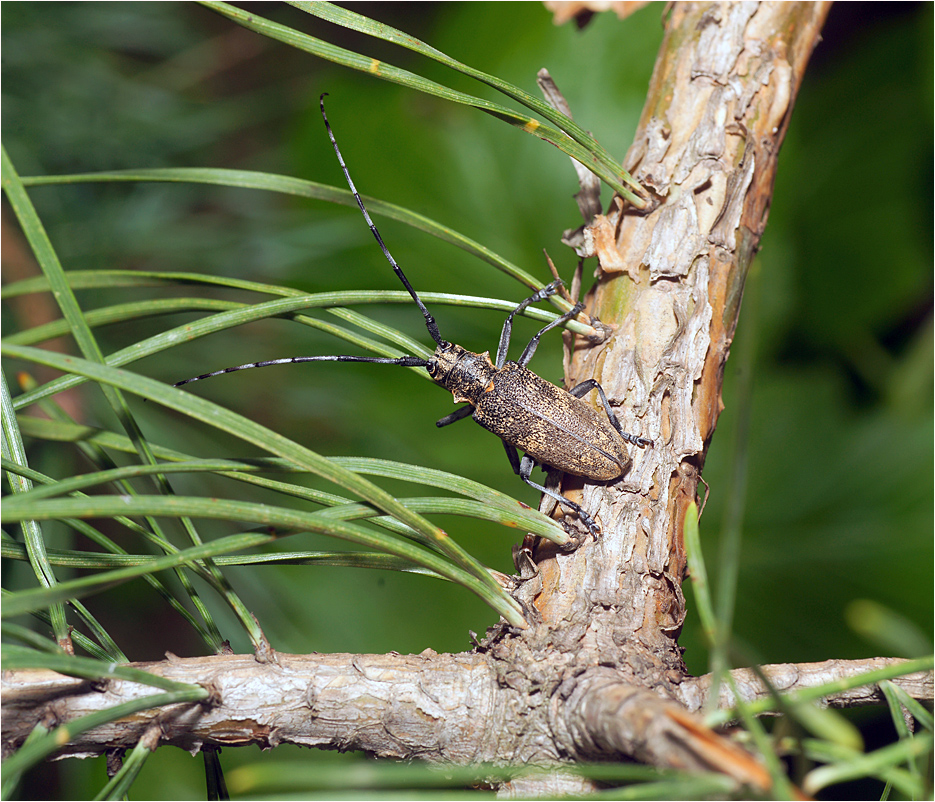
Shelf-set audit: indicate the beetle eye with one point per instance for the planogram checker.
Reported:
(431, 367)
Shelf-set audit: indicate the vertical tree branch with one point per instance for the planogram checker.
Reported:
(671, 281)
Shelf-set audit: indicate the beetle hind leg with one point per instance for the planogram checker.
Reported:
(523, 469)
(580, 390)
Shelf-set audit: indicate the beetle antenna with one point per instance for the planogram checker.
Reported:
(405, 361)
(430, 323)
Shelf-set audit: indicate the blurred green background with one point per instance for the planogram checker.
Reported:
(832, 361)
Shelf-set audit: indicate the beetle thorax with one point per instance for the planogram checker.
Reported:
(466, 374)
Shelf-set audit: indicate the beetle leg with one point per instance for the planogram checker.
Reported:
(553, 481)
(591, 384)
(458, 414)
(524, 471)
(506, 333)
(512, 455)
(534, 342)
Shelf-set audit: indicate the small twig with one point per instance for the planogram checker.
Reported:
(557, 277)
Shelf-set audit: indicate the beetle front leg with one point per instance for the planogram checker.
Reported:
(585, 387)
(530, 349)
(523, 469)
(507, 332)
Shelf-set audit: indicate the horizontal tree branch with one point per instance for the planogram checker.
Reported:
(451, 708)
(790, 677)
(404, 706)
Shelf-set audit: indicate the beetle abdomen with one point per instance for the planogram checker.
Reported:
(551, 425)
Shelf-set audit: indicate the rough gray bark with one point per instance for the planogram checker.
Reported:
(431, 706)
(790, 677)
(598, 672)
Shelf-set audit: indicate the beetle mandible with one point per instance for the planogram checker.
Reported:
(552, 426)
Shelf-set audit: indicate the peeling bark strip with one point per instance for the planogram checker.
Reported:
(598, 673)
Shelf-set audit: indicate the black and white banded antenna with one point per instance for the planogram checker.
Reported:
(429, 320)
(404, 361)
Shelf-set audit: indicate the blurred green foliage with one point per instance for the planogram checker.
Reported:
(837, 322)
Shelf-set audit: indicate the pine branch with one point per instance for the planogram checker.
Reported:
(792, 677)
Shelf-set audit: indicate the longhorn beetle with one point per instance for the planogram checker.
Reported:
(552, 426)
